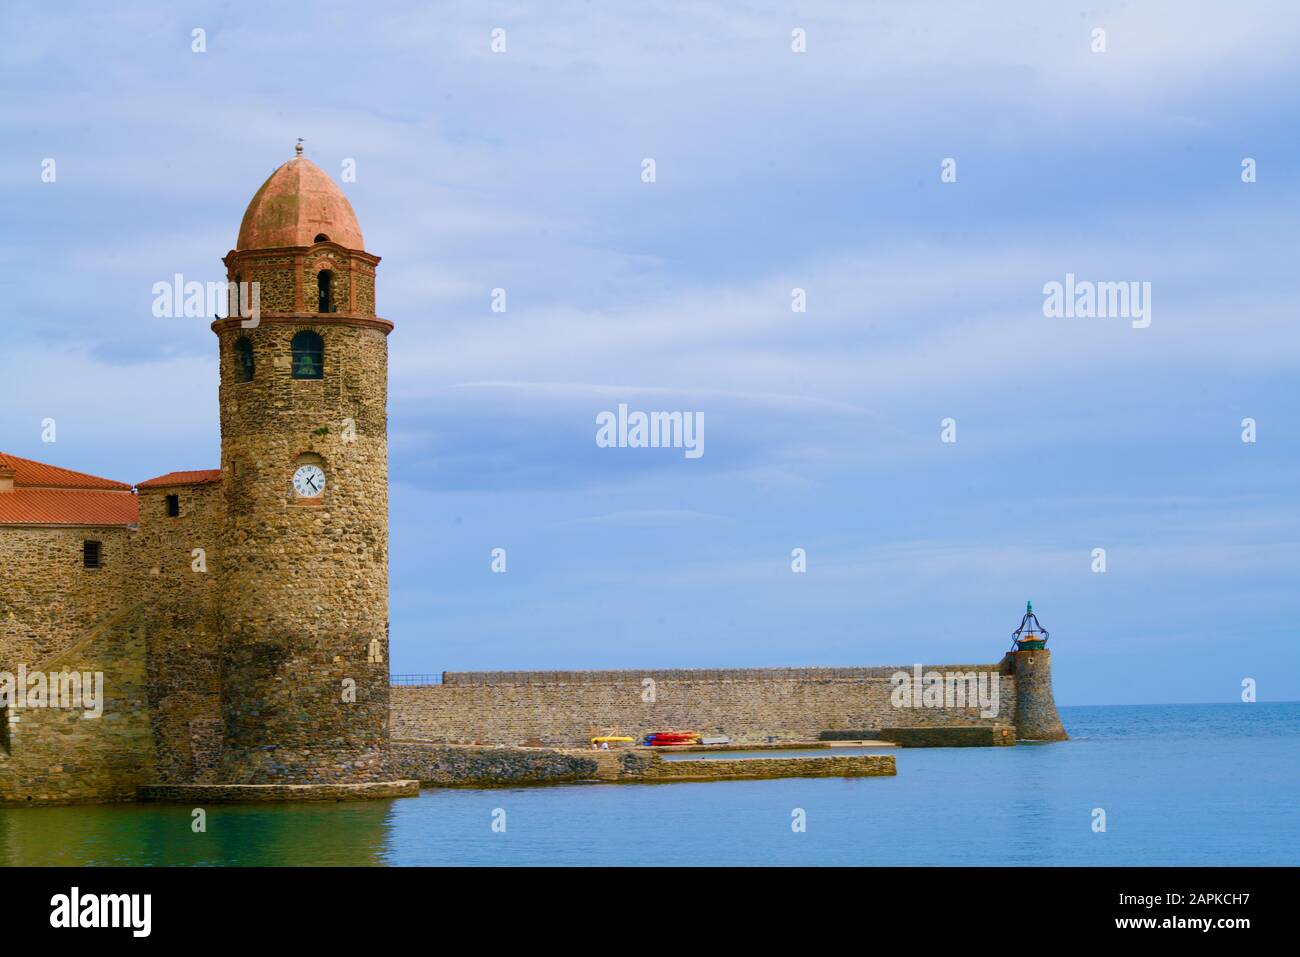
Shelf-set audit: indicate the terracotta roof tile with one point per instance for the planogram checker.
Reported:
(49, 506)
(28, 473)
(195, 477)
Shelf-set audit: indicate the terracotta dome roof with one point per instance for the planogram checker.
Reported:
(297, 203)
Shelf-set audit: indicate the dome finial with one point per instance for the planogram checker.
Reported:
(298, 148)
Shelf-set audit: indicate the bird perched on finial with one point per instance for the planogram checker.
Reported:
(298, 149)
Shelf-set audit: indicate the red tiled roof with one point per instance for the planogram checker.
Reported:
(39, 475)
(48, 495)
(45, 506)
(195, 477)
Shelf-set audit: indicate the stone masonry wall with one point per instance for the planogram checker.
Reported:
(365, 294)
(272, 793)
(179, 590)
(340, 290)
(991, 736)
(436, 766)
(57, 755)
(830, 766)
(1035, 704)
(276, 278)
(48, 600)
(304, 586)
(565, 709)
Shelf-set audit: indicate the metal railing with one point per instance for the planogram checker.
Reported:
(415, 680)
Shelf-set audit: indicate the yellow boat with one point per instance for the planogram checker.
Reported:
(612, 739)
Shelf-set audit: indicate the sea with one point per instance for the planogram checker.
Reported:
(1191, 785)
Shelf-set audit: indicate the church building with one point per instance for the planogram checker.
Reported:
(238, 615)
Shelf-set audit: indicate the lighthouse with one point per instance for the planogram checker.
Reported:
(1030, 662)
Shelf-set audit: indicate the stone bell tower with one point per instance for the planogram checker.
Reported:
(304, 456)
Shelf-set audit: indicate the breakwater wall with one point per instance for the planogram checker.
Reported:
(644, 767)
(452, 766)
(566, 708)
(476, 766)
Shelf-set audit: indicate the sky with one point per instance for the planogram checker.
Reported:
(774, 170)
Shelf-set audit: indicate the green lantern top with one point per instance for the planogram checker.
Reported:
(1031, 635)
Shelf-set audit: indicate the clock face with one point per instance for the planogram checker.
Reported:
(309, 481)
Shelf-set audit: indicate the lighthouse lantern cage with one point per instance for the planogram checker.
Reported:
(1031, 635)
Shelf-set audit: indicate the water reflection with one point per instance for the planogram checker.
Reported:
(336, 834)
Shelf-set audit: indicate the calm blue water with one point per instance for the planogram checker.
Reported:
(1181, 785)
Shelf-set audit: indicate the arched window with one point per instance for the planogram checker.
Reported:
(244, 359)
(308, 355)
(325, 285)
(321, 238)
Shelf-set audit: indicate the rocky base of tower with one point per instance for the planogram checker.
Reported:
(293, 766)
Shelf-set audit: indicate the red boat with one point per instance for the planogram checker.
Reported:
(667, 738)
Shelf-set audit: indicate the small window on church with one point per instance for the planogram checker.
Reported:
(308, 355)
(325, 286)
(173, 506)
(91, 554)
(244, 359)
(321, 238)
